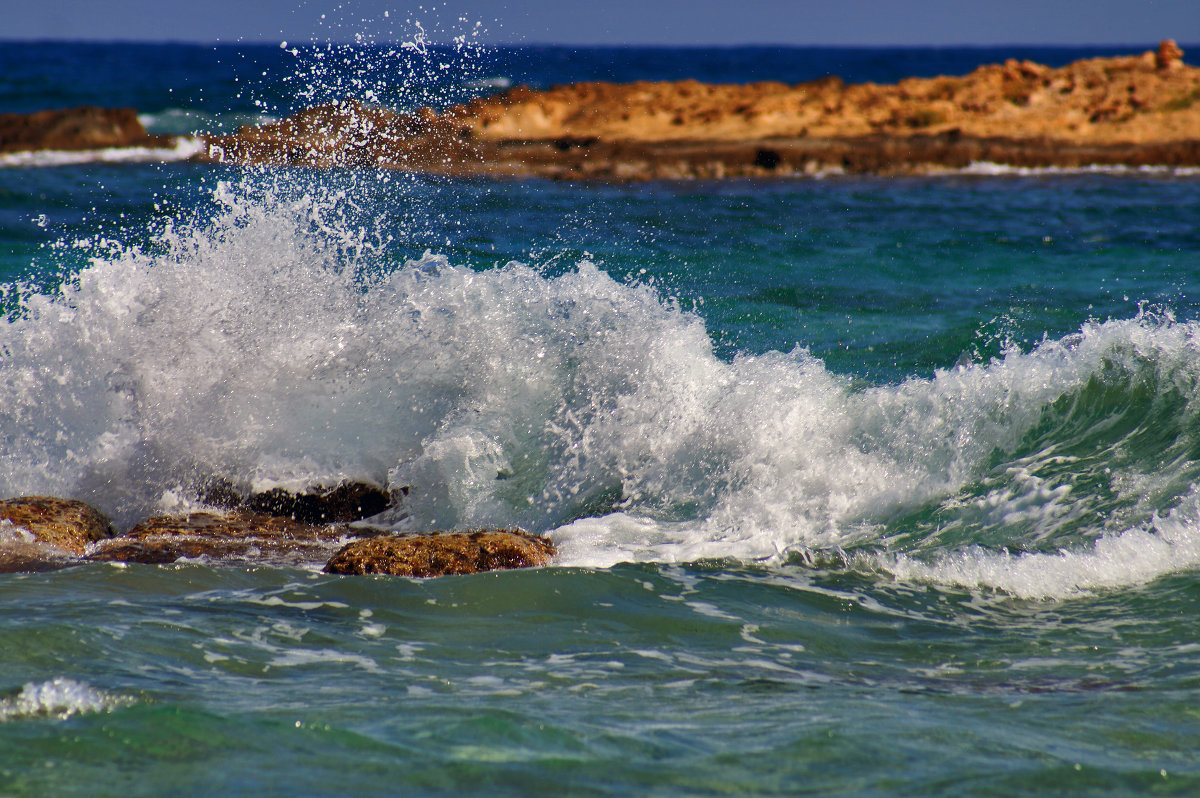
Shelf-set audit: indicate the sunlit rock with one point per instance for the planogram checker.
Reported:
(233, 536)
(83, 128)
(64, 523)
(20, 552)
(1168, 56)
(1126, 110)
(442, 553)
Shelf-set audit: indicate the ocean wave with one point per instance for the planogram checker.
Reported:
(185, 147)
(58, 698)
(257, 345)
(1167, 544)
(991, 169)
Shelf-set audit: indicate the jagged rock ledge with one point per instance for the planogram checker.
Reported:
(45, 533)
(1130, 111)
(1125, 111)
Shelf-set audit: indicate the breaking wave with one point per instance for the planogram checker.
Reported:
(58, 698)
(271, 343)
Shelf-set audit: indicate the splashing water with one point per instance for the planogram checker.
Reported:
(271, 344)
(58, 698)
(282, 338)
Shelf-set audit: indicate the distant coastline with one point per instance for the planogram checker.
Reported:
(1126, 111)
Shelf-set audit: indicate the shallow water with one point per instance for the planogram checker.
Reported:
(860, 486)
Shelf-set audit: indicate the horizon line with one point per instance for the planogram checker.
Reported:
(263, 42)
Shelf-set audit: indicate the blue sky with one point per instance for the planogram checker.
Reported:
(821, 22)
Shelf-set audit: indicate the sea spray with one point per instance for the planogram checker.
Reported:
(1166, 544)
(59, 698)
(290, 334)
(282, 339)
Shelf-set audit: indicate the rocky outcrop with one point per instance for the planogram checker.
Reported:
(1130, 110)
(1134, 99)
(442, 553)
(44, 533)
(83, 128)
(233, 536)
(1134, 110)
(65, 524)
(348, 133)
(25, 559)
(1169, 56)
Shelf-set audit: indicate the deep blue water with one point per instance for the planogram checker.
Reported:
(861, 486)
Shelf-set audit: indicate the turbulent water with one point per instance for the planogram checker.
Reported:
(860, 486)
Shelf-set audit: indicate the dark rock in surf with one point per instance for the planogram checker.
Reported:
(64, 523)
(349, 501)
(320, 504)
(234, 536)
(442, 553)
(83, 128)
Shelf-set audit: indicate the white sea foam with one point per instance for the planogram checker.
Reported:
(186, 122)
(57, 698)
(185, 147)
(13, 535)
(1167, 545)
(992, 169)
(590, 409)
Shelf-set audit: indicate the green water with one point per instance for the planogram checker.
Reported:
(705, 679)
(948, 546)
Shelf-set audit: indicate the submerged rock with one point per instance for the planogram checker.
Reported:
(320, 504)
(442, 553)
(238, 535)
(67, 524)
(25, 560)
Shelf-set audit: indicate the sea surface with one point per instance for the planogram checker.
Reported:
(861, 486)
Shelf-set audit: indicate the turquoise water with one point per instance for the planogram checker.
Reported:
(701, 679)
(860, 486)
(947, 546)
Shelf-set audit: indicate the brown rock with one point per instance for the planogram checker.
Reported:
(348, 133)
(1119, 107)
(1169, 56)
(442, 553)
(68, 524)
(83, 128)
(237, 536)
(24, 560)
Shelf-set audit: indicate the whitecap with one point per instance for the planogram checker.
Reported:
(58, 698)
(185, 147)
